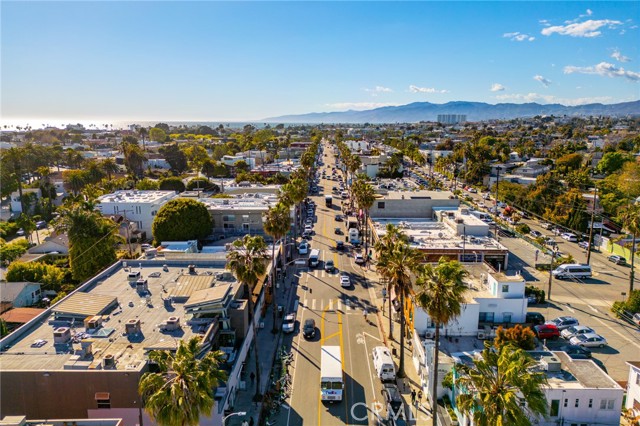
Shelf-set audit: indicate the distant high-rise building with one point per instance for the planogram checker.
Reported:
(452, 118)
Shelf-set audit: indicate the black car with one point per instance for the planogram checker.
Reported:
(339, 245)
(576, 352)
(338, 231)
(534, 318)
(393, 400)
(309, 329)
(338, 218)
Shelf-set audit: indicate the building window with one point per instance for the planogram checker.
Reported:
(590, 403)
(566, 402)
(229, 218)
(486, 316)
(381, 204)
(607, 404)
(229, 226)
(153, 213)
(103, 399)
(505, 288)
(638, 379)
(555, 407)
(577, 402)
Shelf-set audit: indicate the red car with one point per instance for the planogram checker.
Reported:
(546, 331)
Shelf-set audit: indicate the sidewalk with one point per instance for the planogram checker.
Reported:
(268, 344)
(420, 413)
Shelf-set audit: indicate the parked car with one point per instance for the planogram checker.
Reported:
(584, 245)
(329, 266)
(345, 281)
(337, 231)
(339, 245)
(289, 323)
(618, 260)
(535, 234)
(358, 258)
(41, 224)
(569, 237)
(546, 331)
(576, 330)
(535, 318)
(303, 248)
(20, 232)
(546, 225)
(636, 319)
(309, 328)
(393, 400)
(338, 218)
(576, 352)
(563, 322)
(589, 340)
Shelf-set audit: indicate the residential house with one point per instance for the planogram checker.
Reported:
(54, 243)
(20, 294)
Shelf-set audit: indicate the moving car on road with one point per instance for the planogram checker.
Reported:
(309, 328)
(289, 323)
(345, 281)
(329, 266)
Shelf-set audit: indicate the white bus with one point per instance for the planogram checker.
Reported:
(331, 377)
(573, 270)
(314, 258)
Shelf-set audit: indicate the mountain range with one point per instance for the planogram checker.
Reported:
(475, 111)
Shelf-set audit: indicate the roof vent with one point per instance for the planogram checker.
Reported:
(61, 335)
(109, 361)
(87, 347)
(133, 326)
(173, 323)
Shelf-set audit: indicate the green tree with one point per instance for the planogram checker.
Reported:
(630, 217)
(157, 135)
(569, 162)
(92, 240)
(241, 166)
(147, 184)
(13, 250)
(50, 276)
(172, 183)
(182, 388)
(399, 265)
(569, 210)
(109, 167)
(492, 389)
(176, 157)
(518, 336)
(27, 224)
(277, 222)
(247, 261)
(613, 161)
(133, 159)
(181, 219)
(441, 291)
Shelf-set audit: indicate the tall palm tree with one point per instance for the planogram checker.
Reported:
(277, 222)
(493, 389)
(182, 389)
(440, 293)
(365, 197)
(399, 265)
(384, 247)
(109, 166)
(631, 219)
(247, 261)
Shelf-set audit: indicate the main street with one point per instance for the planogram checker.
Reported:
(340, 321)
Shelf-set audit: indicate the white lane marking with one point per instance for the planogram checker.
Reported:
(331, 304)
(593, 309)
(366, 355)
(569, 308)
(339, 306)
(313, 304)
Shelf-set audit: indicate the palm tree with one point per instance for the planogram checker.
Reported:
(109, 166)
(494, 389)
(384, 247)
(365, 196)
(182, 389)
(399, 265)
(247, 261)
(277, 222)
(631, 219)
(440, 293)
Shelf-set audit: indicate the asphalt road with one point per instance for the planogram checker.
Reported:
(339, 318)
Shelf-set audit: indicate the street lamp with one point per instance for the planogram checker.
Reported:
(239, 413)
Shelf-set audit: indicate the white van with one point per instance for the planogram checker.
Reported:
(569, 237)
(383, 363)
(344, 195)
(314, 258)
(572, 270)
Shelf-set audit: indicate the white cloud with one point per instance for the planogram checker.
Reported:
(544, 22)
(604, 69)
(379, 89)
(542, 80)
(589, 12)
(416, 89)
(619, 56)
(550, 99)
(588, 28)
(497, 87)
(360, 105)
(517, 36)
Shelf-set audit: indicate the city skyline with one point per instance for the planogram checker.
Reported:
(246, 61)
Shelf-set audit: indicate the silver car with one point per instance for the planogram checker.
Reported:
(589, 340)
(576, 330)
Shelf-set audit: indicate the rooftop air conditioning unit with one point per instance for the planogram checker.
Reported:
(482, 335)
(173, 323)
(108, 361)
(93, 323)
(429, 335)
(551, 363)
(142, 285)
(87, 347)
(133, 326)
(61, 335)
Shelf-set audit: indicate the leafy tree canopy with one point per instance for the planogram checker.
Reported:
(172, 183)
(50, 276)
(180, 220)
(519, 336)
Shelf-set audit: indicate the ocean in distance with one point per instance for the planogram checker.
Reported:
(12, 125)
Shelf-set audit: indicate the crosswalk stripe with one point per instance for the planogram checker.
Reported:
(313, 304)
(339, 307)
(331, 304)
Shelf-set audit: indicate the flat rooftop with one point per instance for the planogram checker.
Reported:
(117, 301)
(135, 196)
(572, 374)
(418, 195)
(430, 234)
(247, 201)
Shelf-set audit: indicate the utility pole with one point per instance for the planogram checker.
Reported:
(593, 211)
(496, 201)
(553, 256)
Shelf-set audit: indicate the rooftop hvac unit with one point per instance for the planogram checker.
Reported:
(93, 323)
(192, 269)
(429, 335)
(551, 363)
(482, 335)
(86, 346)
(133, 326)
(61, 335)
(142, 286)
(173, 323)
(108, 361)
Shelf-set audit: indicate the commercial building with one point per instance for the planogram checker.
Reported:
(452, 118)
(136, 206)
(84, 356)
(414, 204)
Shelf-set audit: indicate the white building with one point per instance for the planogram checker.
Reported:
(452, 118)
(633, 388)
(578, 392)
(493, 298)
(231, 160)
(137, 206)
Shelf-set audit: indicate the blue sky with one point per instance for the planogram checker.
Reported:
(155, 60)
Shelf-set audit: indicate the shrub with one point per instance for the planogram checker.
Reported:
(519, 336)
(535, 291)
(13, 250)
(172, 184)
(8, 229)
(523, 228)
(180, 220)
(50, 276)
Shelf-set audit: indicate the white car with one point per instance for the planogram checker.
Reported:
(289, 323)
(569, 237)
(576, 330)
(303, 248)
(308, 228)
(358, 258)
(345, 281)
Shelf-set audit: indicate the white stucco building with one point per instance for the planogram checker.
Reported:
(633, 387)
(137, 206)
